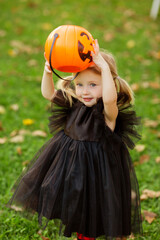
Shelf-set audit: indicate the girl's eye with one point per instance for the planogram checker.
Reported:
(93, 84)
(79, 84)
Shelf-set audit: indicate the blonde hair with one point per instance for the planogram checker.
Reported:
(124, 91)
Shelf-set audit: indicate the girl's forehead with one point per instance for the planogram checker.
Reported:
(87, 76)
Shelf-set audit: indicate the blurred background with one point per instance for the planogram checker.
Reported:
(125, 29)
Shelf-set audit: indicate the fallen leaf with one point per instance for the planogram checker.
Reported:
(149, 216)
(14, 133)
(16, 208)
(19, 150)
(1, 128)
(28, 121)
(135, 87)
(151, 123)
(2, 109)
(131, 44)
(47, 26)
(24, 132)
(109, 36)
(17, 139)
(3, 140)
(14, 107)
(144, 158)
(39, 133)
(2, 33)
(157, 159)
(154, 85)
(156, 100)
(12, 52)
(40, 234)
(146, 193)
(139, 147)
(145, 84)
(25, 163)
(32, 63)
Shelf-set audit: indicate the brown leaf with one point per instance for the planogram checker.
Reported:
(19, 150)
(135, 87)
(149, 216)
(32, 63)
(39, 133)
(109, 36)
(154, 85)
(149, 194)
(40, 234)
(1, 128)
(25, 163)
(157, 159)
(156, 100)
(144, 158)
(3, 140)
(2, 33)
(151, 123)
(17, 139)
(140, 147)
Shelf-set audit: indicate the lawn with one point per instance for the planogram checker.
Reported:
(123, 28)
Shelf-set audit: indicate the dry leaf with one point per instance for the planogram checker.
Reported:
(156, 100)
(157, 159)
(144, 158)
(32, 63)
(28, 121)
(19, 150)
(24, 132)
(18, 209)
(47, 26)
(108, 37)
(135, 87)
(14, 107)
(151, 123)
(154, 85)
(2, 109)
(39, 133)
(3, 140)
(149, 194)
(131, 44)
(139, 147)
(25, 163)
(149, 216)
(20, 47)
(17, 139)
(1, 128)
(145, 84)
(40, 234)
(12, 52)
(2, 33)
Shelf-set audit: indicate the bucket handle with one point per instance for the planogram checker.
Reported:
(55, 37)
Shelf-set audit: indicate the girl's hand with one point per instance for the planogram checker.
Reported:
(97, 57)
(47, 65)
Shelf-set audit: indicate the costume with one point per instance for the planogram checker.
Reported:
(84, 175)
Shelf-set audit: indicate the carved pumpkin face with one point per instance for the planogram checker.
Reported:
(71, 51)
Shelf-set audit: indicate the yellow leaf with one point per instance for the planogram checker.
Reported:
(131, 44)
(47, 26)
(28, 121)
(2, 109)
(12, 52)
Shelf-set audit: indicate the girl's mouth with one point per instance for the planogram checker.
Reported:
(87, 99)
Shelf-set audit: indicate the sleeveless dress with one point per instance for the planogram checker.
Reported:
(83, 175)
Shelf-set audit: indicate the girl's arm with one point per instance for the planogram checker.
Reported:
(109, 93)
(47, 85)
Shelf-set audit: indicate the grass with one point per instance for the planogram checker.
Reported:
(135, 44)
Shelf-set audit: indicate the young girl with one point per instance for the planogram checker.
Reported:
(84, 175)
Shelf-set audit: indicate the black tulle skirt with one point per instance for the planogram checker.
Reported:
(90, 188)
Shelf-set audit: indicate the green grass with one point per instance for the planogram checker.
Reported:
(30, 22)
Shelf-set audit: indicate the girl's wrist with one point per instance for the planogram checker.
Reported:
(47, 68)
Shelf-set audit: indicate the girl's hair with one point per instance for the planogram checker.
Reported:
(124, 92)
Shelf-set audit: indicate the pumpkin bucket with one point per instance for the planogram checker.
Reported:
(68, 49)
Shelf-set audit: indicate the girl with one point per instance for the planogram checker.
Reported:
(84, 175)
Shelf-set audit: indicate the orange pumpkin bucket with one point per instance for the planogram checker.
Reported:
(68, 48)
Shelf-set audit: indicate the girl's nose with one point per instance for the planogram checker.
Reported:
(85, 90)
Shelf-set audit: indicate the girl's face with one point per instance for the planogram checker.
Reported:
(88, 87)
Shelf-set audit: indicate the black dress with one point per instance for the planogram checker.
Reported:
(84, 175)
